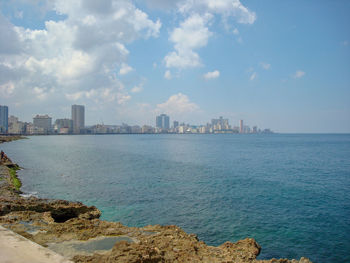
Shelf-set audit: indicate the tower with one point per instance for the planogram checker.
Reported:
(4, 115)
(162, 121)
(78, 117)
(241, 127)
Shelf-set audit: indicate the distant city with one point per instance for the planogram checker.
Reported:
(42, 125)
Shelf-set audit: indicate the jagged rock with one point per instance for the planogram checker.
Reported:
(61, 210)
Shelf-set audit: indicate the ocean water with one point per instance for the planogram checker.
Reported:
(289, 192)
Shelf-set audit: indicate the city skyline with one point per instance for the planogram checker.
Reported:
(43, 125)
(129, 61)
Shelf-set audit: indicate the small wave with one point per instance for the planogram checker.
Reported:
(29, 194)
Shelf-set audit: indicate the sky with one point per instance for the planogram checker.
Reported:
(283, 65)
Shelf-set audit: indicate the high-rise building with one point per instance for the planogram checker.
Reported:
(241, 127)
(4, 115)
(42, 123)
(64, 125)
(176, 124)
(15, 126)
(220, 124)
(162, 122)
(78, 117)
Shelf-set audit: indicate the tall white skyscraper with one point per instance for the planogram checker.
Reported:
(78, 117)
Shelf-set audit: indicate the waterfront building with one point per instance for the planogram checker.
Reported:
(64, 126)
(203, 129)
(235, 129)
(182, 129)
(147, 129)
(15, 126)
(28, 128)
(42, 123)
(4, 114)
(220, 124)
(176, 124)
(136, 129)
(246, 129)
(162, 122)
(78, 117)
(241, 127)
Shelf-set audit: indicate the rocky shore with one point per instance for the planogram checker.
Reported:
(75, 231)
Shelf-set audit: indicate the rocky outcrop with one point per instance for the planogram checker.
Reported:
(60, 210)
(58, 222)
(9, 138)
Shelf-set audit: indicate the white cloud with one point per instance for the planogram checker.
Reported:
(182, 59)
(168, 75)
(7, 89)
(42, 93)
(122, 98)
(177, 104)
(75, 55)
(192, 34)
(161, 4)
(101, 95)
(226, 8)
(238, 37)
(253, 76)
(137, 89)
(299, 74)
(212, 75)
(345, 43)
(125, 69)
(265, 66)
(75, 96)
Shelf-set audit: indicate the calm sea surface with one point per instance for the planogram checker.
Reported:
(289, 192)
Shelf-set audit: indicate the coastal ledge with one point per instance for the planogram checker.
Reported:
(75, 231)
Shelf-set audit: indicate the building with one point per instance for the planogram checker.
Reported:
(42, 123)
(15, 126)
(147, 129)
(241, 127)
(64, 126)
(78, 117)
(4, 115)
(176, 124)
(220, 124)
(162, 122)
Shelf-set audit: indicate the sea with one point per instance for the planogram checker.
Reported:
(290, 192)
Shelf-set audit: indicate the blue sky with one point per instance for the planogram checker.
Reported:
(283, 65)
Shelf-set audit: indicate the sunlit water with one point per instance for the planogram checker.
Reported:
(289, 192)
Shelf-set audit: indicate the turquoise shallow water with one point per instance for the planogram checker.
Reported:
(289, 192)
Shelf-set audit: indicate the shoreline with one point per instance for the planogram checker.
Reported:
(75, 231)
